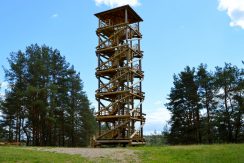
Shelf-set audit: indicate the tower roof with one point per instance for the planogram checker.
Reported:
(119, 13)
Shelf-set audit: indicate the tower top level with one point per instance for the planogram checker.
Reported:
(119, 15)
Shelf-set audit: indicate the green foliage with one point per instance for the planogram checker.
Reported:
(193, 154)
(185, 109)
(46, 104)
(229, 80)
(207, 107)
(13, 154)
(207, 92)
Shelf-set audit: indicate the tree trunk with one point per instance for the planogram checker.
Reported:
(227, 116)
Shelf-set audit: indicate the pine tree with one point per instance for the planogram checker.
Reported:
(46, 103)
(207, 92)
(184, 107)
(227, 82)
(15, 98)
(219, 95)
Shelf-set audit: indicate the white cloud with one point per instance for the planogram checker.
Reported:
(235, 10)
(159, 115)
(4, 85)
(116, 3)
(156, 118)
(54, 15)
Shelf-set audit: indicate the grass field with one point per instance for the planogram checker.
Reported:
(229, 153)
(19, 154)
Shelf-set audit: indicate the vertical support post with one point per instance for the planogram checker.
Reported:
(126, 15)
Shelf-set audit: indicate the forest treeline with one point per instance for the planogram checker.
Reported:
(207, 107)
(45, 104)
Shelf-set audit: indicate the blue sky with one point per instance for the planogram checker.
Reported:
(175, 34)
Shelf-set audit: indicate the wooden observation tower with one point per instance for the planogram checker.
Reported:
(119, 73)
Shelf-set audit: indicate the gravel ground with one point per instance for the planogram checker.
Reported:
(123, 155)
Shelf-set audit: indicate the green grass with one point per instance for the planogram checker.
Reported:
(228, 153)
(18, 154)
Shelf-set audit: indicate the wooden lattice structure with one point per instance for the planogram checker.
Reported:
(119, 73)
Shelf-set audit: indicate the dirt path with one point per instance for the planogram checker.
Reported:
(123, 155)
